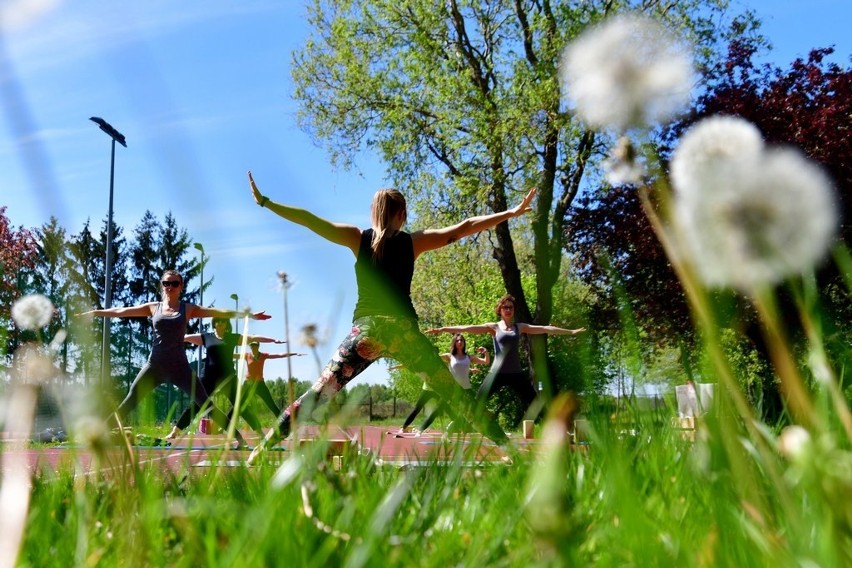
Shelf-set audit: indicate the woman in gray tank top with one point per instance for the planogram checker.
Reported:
(167, 362)
(507, 371)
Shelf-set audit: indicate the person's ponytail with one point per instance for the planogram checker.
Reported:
(387, 203)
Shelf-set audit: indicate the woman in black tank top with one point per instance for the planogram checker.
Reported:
(384, 323)
(167, 362)
(219, 372)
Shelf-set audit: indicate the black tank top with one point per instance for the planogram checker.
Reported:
(384, 287)
(219, 362)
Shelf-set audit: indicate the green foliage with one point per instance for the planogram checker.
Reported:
(750, 368)
(461, 100)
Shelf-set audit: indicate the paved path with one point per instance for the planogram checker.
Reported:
(380, 442)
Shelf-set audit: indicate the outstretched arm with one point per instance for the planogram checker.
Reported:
(140, 311)
(431, 239)
(193, 311)
(484, 328)
(547, 329)
(338, 233)
(264, 339)
(194, 338)
(281, 355)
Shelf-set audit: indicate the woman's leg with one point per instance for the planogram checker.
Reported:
(183, 379)
(263, 392)
(354, 354)
(408, 345)
(442, 407)
(146, 381)
(188, 414)
(425, 396)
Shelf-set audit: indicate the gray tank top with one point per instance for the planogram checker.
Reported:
(506, 343)
(168, 333)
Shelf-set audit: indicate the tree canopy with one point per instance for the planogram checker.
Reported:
(462, 102)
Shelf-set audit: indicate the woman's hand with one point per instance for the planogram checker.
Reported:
(434, 331)
(259, 198)
(524, 206)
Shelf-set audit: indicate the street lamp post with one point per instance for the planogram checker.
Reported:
(236, 300)
(285, 283)
(200, 249)
(116, 136)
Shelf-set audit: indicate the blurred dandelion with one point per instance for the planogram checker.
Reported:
(32, 312)
(33, 366)
(748, 216)
(627, 72)
(309, 338)
(708, 153)
(794, 442)
(16, 486)
(93, 433)
(622, 166)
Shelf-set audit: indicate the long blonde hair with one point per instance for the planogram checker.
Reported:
(387, 203)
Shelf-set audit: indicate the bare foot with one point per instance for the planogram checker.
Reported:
(174, 433)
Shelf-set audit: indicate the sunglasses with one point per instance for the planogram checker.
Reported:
(170, 283)
(508, 308)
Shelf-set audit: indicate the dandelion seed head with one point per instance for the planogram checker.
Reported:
(622, 166)
(32, 312)
(711, 152)
(31, 365)
(748, 216)
(92, 432)
(627, 72)
(794, 442)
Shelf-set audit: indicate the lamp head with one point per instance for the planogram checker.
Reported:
(108, 128)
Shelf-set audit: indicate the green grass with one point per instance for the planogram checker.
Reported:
(650, 499)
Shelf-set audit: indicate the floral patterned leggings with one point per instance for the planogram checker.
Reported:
(374, 337)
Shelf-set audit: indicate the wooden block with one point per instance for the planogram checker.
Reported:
(529, 429)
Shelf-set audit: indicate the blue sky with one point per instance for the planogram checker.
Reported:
(201, 90)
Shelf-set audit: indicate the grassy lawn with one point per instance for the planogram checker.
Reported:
(644, 496)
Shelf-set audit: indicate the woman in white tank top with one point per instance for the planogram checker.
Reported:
(459, 362)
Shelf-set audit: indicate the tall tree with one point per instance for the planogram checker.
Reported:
(461, 100)
(50, 276)
(18, 252)
(89, 256)
(143, 280)
(85, 255)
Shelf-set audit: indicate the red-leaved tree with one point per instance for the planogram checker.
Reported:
(808, 105)
(18, 252)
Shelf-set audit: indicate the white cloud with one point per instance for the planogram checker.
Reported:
(21, 14)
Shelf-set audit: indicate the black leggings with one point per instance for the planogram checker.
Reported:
(155, 373)
(228, 386)
(374, 337)
(519, 383)
(425, 396)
